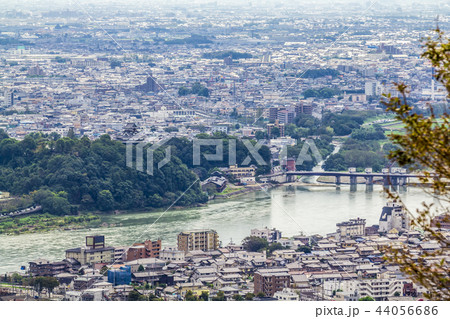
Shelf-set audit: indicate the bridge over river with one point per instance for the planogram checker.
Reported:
(389, 179)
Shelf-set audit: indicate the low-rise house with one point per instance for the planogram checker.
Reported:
(214, 184)
(300, 281)
(287, 254)
(150, 264)
(85, 281)
(287, 294)
(65, 278)
(295, 267)
(95, 294)
(196, 288)
(146, 277)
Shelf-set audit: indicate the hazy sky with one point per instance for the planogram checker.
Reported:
(441, 7)
(137, 3)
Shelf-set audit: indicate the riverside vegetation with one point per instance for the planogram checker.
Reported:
(44, 222)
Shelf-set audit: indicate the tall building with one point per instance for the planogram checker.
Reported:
(283, 116)
(9, 97)
(393, 216)
(35, 71)
(198, 240)
(147, 249)
(149, 86)
(277, 125)
(228, 60)
(273, 114)
(352, 228)
(304, 109)
(373, 88)
(270, 280)
(94, 252)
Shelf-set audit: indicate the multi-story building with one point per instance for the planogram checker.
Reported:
(373, 88)
(171, 254)
(42, 267)
(393, 216)
(287, 294)
(304, 109)
(94, 251)
(380, 289)
(277, 125)
(351, 228)
(198, 240)
(271, 235)
(119, 275)
(239, 172)
(9, 97)
(283, 116)
(147, 249)
(150, 86)
(273, 114)
(270, 280)
(442, 221)
(120, 254)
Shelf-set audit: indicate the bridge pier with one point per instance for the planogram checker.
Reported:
(290, 178)
(353, 183)
(338, 180)
(402, 181)
(369, 180)
(394, 181)
(369, 183)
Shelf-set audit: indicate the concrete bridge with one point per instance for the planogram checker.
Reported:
(389, 179)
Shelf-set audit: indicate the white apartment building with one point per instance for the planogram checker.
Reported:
(393, 216)
(171, 254)
(287, 294)
(271, 235)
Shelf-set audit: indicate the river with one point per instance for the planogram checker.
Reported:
(291, 209)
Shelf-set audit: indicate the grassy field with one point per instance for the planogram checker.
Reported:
(229, 190)
(369, 121)
(43, 223)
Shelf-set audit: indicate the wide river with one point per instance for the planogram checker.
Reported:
(291, 209)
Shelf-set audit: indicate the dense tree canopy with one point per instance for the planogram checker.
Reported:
(359, 154)
(89, 175)
(253, 243)
(66, 174)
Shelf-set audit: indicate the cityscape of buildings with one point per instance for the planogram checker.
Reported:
(345, 265)
(271, 75)
(61, 72)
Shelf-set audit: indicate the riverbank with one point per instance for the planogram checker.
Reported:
(45, 223)
(311, 210)
(244, 190)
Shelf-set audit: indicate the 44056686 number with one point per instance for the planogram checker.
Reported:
(407, 310)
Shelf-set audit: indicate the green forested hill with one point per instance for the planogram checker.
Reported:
(65, 174)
